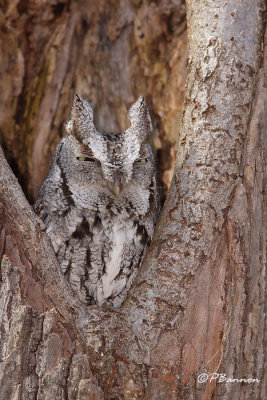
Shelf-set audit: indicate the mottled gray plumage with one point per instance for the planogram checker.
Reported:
(99, 202)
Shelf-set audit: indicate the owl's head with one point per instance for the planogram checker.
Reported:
(106, 160)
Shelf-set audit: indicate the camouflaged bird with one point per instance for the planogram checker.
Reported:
(100, 202)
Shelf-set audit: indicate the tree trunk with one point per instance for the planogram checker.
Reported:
(195, 314)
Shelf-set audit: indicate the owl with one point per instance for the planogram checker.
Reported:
(100, 204)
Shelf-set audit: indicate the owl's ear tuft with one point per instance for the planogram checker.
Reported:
(81, 124)
(140, 118)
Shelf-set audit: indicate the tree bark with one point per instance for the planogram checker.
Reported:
(109, 52)
(197, 305)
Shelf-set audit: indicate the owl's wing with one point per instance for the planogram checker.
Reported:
(54, 198)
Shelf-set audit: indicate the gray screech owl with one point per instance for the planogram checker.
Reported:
(99, 203)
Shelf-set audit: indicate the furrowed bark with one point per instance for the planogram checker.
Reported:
(207, 244)
(109, 52)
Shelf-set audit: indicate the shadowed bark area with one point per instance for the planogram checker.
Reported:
(107, 51)
(197, 305)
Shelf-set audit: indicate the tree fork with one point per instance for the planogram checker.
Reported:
(197, 305)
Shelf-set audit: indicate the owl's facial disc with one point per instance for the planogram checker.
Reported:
(111, 161)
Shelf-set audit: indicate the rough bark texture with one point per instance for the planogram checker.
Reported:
(198, 304)
(109, 52)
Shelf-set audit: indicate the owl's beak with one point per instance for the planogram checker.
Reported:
(116, 188)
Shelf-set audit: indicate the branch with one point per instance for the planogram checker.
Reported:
(26, 228)
(173, 316)
(18, 220)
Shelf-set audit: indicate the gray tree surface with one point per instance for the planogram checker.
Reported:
(197, 306)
